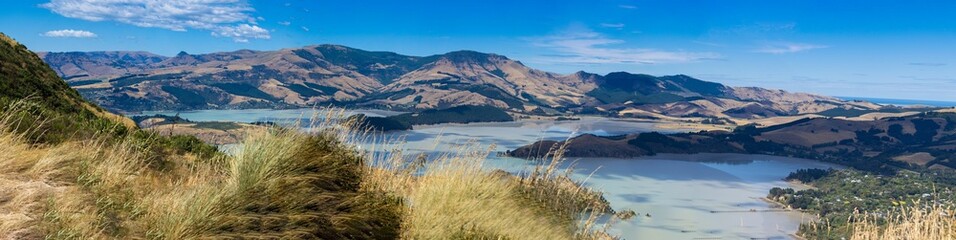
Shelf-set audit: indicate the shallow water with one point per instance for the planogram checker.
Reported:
(678, 191)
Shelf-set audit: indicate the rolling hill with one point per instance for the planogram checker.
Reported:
(925, 140)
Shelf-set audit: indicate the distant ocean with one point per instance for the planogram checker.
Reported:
(903, 102)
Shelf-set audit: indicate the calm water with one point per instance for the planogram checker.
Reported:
(904, 102)
(678, 191)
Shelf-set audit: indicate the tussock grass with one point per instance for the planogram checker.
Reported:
(281, 183)
(556, 193)
(454, 197)
(924, 223)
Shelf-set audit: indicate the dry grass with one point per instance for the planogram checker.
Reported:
(556, 193)
(281, 183)
(916, 223)
(456, 198)
(453, 196)
(28, 177)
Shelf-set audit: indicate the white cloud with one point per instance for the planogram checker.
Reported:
(613, 25)
(582, 45)
(285, 23)
(224, 18)
(243, 32)
(625, 6)
(787, 47)
(305, 29)
(69, 33)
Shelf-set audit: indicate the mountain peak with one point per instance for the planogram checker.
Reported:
(471, 56)
(585, 75)
(182, 58)
(334, 46)
(618, 75)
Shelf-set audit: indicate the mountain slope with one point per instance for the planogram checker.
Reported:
(26, 75)
(473, 78)
(640, 95)
(333, 74)
(239, 79)
(382, 66)
(71, 65)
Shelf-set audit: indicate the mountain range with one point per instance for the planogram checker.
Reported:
(339, 75)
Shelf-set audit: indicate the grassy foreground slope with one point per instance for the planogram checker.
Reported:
(71, 171)
(924, 222)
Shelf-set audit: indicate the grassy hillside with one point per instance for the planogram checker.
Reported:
(23, 75)
(41, 108)
(370, 63)
(878, 146)
(619, 87)
(70, 171)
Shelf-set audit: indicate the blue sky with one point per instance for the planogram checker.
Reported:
(888, 49)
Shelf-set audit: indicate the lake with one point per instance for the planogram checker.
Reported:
(680, 192)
